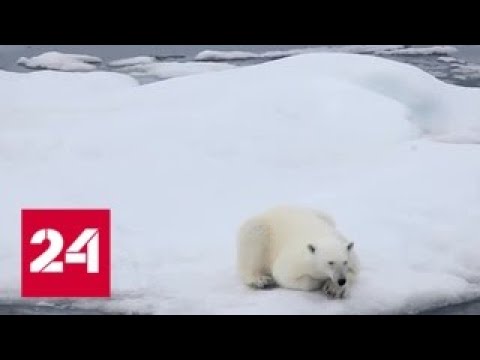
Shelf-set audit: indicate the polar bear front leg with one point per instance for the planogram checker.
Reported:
(253, 245)
(262, 282)
(302, 283)
(286, 277)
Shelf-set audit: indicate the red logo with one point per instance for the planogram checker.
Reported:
(66, 253)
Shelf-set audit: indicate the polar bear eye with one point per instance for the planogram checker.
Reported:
(345, 263)
(312, 249)
(331, 263)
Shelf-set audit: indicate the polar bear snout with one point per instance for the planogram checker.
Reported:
(342, 282)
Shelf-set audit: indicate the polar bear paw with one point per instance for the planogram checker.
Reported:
(264, 282)
(334, 291)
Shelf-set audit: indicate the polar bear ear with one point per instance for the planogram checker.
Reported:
(350, 246)
(312, 248)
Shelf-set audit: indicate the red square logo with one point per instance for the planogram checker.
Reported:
(66, 253)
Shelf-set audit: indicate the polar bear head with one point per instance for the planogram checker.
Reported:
(331, 262)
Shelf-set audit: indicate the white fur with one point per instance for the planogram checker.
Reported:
(273, 249)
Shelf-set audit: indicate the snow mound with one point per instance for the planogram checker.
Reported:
(435, 107)
(183, 162)
(54, 60)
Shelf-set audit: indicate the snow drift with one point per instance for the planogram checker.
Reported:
(387, 149)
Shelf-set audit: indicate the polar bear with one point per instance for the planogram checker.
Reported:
(298, 249)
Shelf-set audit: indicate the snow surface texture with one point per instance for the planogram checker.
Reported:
(388, 150)
(166, 70)
(212, 55)
(54, 60)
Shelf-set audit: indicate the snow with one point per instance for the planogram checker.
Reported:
(214, 55)
(138, 60)
(390, 151)
(54, 60)
(167, 70)
(431, 50)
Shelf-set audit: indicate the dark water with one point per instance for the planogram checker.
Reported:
(19, 308)
(70, 308)
(9, 54)
(448, 72)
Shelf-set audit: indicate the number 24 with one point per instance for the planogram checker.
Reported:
(45, 262)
